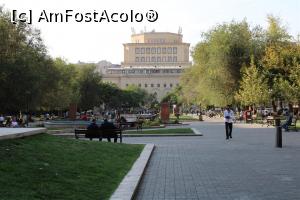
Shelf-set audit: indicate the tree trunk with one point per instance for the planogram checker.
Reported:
(280, 105)
(291, 107)
(274, 106)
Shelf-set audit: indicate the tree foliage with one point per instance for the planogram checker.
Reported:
(31, 79)
(253, 87)
(222, 68)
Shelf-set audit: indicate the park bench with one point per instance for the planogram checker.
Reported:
(269, 121)
(293, 125)
(99, 134)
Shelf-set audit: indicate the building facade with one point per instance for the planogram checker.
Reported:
(153, 61)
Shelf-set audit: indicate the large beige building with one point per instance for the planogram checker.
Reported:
(153, 61)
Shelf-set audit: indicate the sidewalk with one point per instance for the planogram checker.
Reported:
(209, 167)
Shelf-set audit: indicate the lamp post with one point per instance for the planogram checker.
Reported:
(27, 107)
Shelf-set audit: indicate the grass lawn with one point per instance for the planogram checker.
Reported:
(163, 131)
(49, 167)
(183, 118)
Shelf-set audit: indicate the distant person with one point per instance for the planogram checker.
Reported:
(288, 121)
(14, 123)
(8, 122)
(106, 126)
(92, 130)
(1, 121)
(228, 117)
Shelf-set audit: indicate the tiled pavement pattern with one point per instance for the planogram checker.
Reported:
(246, 167)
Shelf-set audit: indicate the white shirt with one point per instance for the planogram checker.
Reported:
(228, 113)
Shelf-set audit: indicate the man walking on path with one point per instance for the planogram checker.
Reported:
(228, 117)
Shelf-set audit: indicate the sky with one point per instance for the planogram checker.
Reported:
(94, 41)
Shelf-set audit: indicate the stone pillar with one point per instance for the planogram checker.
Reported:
(165, 112)
(72, 111)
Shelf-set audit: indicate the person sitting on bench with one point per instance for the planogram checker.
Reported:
(107, 126)
(92, 129)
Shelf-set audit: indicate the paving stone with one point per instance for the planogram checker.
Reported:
(247, 167)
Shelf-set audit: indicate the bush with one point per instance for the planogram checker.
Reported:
(155, 122)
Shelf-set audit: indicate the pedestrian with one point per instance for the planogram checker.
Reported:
(1, 121)
(228, 117)
(288, 121)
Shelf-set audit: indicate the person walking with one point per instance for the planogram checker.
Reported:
(228, 117)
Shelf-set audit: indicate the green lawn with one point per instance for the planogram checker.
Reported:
(49, 167)
(163, 131)
(184, 118)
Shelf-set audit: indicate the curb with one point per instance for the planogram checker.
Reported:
(22, 132)
(127, 188)
(197, 132)
(160, 135)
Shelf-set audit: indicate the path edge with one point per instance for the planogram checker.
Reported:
(128, 187)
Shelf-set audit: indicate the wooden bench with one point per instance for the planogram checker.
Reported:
(293, 125)
(269, 121)
(99, 134)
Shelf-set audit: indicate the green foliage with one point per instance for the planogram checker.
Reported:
(173, 97)
(222, 68)
(218, 59)
(89, 87)
(27, 73)
(30, 78)
(253, 87)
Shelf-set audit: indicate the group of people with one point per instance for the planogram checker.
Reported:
(12, 121)
(106, 125)
(229, 118)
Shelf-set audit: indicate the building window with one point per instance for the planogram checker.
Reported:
(165, 85)
(169, 51)
(142, 50)
(147, 50)
(137, 59)
(163, 59)
(148, 59)
(142, 59)
(137, 50)
(153, 50)
(158, 50)
(163, 50)
(175, 59)
(169, 58)
(140, 85)
(126, 84)
(152, 85)
(146, 85)
(174, 50)
(153, 59)
(158, 59)
(158, 85)
(171, 85)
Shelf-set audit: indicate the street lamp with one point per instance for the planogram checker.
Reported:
(27, 107)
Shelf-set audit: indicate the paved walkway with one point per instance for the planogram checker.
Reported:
(246, 167)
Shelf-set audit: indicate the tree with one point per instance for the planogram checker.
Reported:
(280, 57)
(218, 59)
(254, 89)
(27, 72)
(66, 89)
(90, 84)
